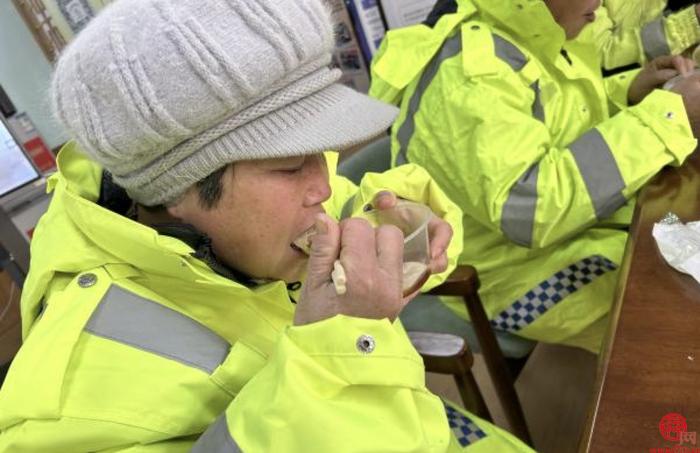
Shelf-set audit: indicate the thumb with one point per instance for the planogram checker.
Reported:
(325, 249)
(664, 75)
(385, 200)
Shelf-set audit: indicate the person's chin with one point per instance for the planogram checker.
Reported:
(295, 270)
(573, 32)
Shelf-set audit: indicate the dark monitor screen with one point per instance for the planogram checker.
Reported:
(16, 170)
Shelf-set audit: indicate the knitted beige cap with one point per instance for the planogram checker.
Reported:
(164, 92)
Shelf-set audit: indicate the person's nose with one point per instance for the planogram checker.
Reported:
(319, 189)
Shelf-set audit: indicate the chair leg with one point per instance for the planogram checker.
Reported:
(497, 367)
(471, 395)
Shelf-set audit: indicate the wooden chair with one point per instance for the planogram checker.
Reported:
(445, 353)
(464, 283)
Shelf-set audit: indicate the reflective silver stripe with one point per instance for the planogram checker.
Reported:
(450, 48)
(537, 108)
(347, 208)
(216, 439)
(654, 39)
(131, 319)
(506, 51)
(599, 170)
(518, 216)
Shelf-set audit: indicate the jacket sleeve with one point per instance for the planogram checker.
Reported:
(86, 435)
(622, 46)
(346, 385)
(500, 164)
(617, 87)
(342, 384)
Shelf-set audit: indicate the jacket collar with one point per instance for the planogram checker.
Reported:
(529, 21)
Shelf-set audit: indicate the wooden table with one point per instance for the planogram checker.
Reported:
(650, 365)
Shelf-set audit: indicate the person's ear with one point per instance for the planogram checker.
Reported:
(182, 207)
(176, 210)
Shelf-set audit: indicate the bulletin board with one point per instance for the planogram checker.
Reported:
(53, 23)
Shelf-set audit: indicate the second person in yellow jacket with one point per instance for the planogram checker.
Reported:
(630, 32)
(543, 155)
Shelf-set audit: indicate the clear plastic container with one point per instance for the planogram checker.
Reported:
(412, 219)
(672, 82)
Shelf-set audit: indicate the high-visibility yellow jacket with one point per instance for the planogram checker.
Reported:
(635, 31)
(516, 126)
(134, 345)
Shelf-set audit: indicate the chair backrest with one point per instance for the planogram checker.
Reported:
(375, 157)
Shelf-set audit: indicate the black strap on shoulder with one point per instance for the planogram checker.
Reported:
(441, 8)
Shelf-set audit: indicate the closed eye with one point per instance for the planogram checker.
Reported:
(290, 171)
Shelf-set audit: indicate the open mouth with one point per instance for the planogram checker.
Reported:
(590, 17)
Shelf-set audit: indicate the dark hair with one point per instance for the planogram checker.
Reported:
(211, 188)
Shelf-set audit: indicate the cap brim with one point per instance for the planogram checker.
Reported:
(332, 119)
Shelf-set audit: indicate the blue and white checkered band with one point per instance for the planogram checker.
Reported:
(464, 429)
(550, 292)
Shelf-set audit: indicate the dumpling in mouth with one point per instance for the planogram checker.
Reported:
(303, 242)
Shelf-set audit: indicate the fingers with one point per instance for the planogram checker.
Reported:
(389, 244)
(440, 235)
(662, 76)
(438, 264)
(384, 200)
(682, 65)
(689, 66)
(325, 247)
(664, 61)
(357, 243)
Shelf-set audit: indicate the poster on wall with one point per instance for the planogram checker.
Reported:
(369, 25)
(402, 13)
(54, 22)
(347, 54)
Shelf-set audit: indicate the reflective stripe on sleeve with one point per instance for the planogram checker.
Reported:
(131, 319)
(600, 173)
(654, 40)
(216, 439)
(518, 215)
(537, 107)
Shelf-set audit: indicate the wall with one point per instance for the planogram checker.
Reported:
(25, 73)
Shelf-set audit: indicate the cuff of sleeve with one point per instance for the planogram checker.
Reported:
(664, 112)
(359, 351)
(683, 29)
(618, 86)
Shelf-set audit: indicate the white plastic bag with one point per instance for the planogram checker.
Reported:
(679, 244)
